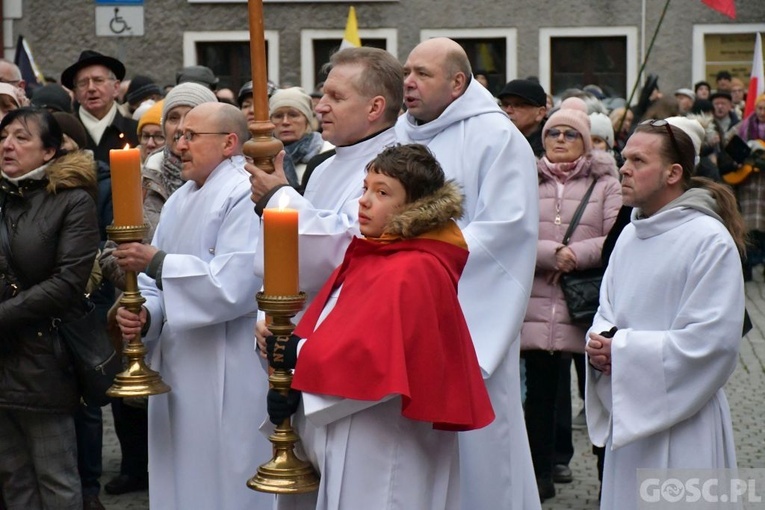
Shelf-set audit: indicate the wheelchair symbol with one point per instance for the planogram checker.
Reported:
(118, 24)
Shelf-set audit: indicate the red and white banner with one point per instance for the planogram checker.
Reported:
(756, 79)
(727, 7)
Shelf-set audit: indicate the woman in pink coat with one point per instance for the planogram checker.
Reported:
(548, 337)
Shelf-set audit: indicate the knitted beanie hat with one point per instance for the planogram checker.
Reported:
(53, 97)
(151, 116)
(294, 97)
(6, 89)
(600, 126)
(574, 103)
(187, 94)
(573, 117)
(72, 127)
(140, 88)
(693, 129)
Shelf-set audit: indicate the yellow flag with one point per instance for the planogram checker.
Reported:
(351, 37)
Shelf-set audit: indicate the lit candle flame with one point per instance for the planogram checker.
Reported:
(126, 147)
(284, 201)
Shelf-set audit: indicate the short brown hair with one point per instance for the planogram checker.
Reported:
(383, 76)
(414, 166)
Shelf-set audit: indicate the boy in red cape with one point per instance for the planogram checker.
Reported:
(386, 365)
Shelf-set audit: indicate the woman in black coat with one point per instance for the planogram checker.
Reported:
(50, 239)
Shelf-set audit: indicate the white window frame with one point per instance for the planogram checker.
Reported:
(510, 35)
(307, 36)
(546, 34)
(190, 40)
(698, 69)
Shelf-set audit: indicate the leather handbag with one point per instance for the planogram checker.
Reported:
(581, 289)
(93, 356)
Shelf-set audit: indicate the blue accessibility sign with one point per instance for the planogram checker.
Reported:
(119, 2)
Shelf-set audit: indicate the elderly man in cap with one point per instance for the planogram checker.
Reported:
(95, 80)
(141, 88)
(525, 102)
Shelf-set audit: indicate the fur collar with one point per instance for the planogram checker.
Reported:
(427, 213)
(73, 170)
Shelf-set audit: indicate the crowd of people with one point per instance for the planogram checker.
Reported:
(432, 365)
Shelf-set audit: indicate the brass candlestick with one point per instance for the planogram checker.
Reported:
(138, 380)
(285, 473)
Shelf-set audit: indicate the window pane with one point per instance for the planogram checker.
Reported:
(729, 52)
(229, 60)
(580, 61)
(324, 48)
(488, 56)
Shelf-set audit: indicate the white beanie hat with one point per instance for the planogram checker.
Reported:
(187, 94)
(693, 129)
(600, 126)
(294, 97)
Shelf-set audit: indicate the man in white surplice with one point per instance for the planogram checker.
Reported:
(361, 101)
(197, 323)
(480, 148)
(673, 299)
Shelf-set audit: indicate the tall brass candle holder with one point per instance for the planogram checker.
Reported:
(138, 380)
(285, 473)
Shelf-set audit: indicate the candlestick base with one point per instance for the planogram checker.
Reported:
(137, 380)
(285, 473)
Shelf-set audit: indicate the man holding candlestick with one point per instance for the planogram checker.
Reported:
(362, 97)
(480, 148)
(197, 323)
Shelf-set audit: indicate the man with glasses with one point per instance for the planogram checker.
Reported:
(94, 78)
(525, 102)
(197, 323)
(10, 74)
(666, 336)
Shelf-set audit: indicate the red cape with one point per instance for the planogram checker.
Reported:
(397, 328)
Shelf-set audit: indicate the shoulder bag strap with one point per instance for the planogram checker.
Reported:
(578, 213)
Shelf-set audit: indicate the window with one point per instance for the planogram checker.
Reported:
(489, 51)
(575, 57)
(728, 47)
(316, 46)
(228, 55)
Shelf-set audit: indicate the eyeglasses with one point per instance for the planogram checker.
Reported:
(517, 105)
(10, 82)
(570, 135)
(190, 135)
(290, 114)
(98, 81)
(157, 138)
(663, 123)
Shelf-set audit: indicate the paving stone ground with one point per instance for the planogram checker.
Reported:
(745, 391)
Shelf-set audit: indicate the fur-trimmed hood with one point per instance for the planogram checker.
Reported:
(428, 213)
(73, 170)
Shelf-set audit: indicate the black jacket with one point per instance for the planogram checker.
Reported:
(53, 235)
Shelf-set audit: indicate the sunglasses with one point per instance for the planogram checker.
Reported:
(570, 135)
(666, 125)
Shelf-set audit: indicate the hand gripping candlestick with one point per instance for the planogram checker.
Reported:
(138, 380)
(281, 300)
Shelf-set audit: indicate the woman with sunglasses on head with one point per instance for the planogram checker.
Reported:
(549, 337)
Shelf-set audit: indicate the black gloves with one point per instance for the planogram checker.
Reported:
(282, 354)
(280, 407)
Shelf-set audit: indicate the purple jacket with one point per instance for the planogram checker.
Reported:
(547, 325)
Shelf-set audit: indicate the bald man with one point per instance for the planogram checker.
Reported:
(479, 147)
(197, 323)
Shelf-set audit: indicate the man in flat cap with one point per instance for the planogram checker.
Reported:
(525, 102)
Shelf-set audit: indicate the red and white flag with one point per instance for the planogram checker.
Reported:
(727, 7)
(756, 79)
